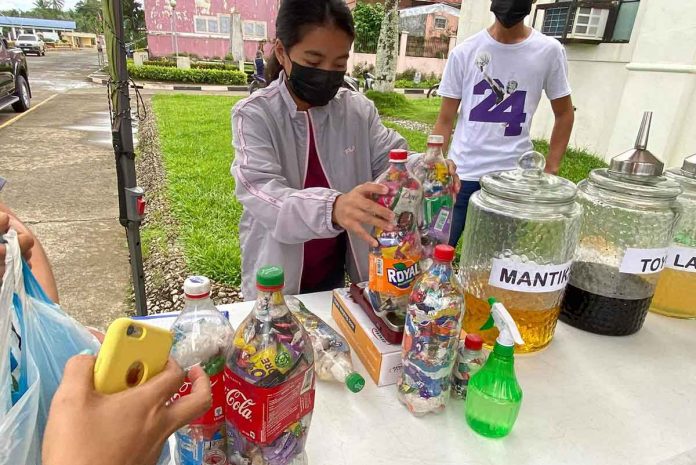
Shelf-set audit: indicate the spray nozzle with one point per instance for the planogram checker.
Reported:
(499, 317)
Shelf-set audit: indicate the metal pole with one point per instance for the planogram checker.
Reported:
(122, 135)
(173, 34)
(176, 40)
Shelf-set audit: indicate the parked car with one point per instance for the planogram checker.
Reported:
(14, 78)
(31, 43)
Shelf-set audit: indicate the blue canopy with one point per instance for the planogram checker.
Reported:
(39, 23)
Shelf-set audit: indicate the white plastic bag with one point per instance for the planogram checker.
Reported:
(19, 442)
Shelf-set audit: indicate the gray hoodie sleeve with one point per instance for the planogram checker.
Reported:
(382, 140)
(293, 216)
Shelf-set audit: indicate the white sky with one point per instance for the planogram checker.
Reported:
(25, 5)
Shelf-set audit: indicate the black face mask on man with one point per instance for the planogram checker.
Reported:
(511, 12)
(314, 85)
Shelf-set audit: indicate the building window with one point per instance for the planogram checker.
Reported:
(212, 24)
(440, 23)
(225, 24)
(254, 30)
(625, 19)
(590, 21)
(201, 25)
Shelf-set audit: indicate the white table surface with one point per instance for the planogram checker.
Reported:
(588, 399)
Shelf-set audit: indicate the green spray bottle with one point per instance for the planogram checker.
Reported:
(494, 396)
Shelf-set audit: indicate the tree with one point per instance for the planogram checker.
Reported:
(86, 15)
(56, 4)
(368, 21)
(133, 20)
(388, 48)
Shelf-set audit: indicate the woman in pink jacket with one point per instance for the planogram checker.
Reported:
(307, 152)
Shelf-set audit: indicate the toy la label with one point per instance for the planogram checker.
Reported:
(682, 259)
(643, 261)
(262, 414)
(527, 277)
(394, 277)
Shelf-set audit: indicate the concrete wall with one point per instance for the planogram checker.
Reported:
(614, 83)
(159, 25)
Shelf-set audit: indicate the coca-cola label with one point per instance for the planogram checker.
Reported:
(216, 414)
(262, 414)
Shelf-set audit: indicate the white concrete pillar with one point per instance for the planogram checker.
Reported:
(474, 15)
(452, 44)
(401, 60)
(661, 78)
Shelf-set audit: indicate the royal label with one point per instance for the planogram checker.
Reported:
(262, 414)
(392, 276)
(643, 261)
(216, 413)
(682, 259)
(528, 277)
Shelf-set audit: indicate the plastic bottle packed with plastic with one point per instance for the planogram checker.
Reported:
(431, 334)
(332, 360)
(270, 381)
(394, 262)
(470, 359)
(438, 198)
(202, 335)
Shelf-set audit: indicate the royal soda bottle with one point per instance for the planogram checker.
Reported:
(431, 334)
(202, 336)
(394, 262)
(270, 381)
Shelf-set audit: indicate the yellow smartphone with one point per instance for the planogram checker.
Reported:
(131, 354)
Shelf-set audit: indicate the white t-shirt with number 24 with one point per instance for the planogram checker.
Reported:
(500, 87)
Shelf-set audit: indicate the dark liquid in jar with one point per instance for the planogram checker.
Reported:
(601, 300)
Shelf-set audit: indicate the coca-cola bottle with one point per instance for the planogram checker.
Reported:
(270, 381)
(202, 335)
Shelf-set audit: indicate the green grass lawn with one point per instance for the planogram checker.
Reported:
(196, 147)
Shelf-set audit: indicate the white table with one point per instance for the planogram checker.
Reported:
(588, 400)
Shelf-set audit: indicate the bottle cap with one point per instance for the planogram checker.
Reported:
(270, 278)
(473, 342)
(355, 382)
(398, 155)
(434, 139)
(197, 287)
(444, 253)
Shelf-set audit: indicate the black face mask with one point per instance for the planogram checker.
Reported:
(313, 85)
(511, 12)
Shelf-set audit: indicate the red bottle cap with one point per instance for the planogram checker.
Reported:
(444, 253)
(473, 342)
(398, 155)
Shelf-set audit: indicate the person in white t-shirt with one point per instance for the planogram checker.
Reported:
(497, 77)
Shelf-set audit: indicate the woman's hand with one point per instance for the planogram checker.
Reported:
(129, 428)
(356, 208)
(25, 238)
(455, 177)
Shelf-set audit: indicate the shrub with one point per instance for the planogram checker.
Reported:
(195, 76)
(208, 65)
(408, 75)
(409, 84)
(168, 64)
(360, 68)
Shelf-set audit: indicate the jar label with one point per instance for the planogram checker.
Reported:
(528, 277)
(262, 414)
(643, 261)
(682, 259)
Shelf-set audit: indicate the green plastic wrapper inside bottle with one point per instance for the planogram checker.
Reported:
(494, 396)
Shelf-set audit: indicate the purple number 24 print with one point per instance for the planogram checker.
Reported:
(510, 110)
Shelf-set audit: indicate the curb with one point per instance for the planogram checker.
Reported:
(103, 79)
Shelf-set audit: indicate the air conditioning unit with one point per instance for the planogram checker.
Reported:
(587, 23)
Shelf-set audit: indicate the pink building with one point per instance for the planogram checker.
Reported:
(203, 26)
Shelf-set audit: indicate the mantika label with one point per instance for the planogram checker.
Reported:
(528, 277)
(682, 259)
(643, 261)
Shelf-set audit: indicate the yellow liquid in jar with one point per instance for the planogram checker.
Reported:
(535, 314)
(675, 294)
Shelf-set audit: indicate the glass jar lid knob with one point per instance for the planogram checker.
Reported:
(532, 164)
(638, 161)
(689, 165)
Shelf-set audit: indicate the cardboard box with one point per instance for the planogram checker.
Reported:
(381, 359)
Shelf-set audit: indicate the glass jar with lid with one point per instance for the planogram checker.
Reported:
(629, 214)
(676, 290)
(521, 231)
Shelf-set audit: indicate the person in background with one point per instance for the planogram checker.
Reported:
(259, 62)
(128, 428)
(32, 250)
(306, 153)
(497, 77)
